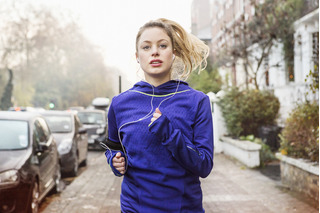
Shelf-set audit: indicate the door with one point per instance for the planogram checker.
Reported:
(82, 140)
(45, 153)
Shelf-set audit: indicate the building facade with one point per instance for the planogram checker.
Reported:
(289, 86)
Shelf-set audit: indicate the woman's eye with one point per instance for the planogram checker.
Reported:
(163, 46)
(146, 47)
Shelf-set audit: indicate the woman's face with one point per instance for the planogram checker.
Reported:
(155, 54)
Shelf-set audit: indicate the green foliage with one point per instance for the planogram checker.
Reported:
(23, 94)
(266, 155)
(245, 111)
(229, 106)
(208, 80)
(314, 76)
(5, 102)
(300, 137)
(314, 73)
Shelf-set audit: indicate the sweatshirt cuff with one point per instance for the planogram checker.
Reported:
(162, 128)
(110, 156)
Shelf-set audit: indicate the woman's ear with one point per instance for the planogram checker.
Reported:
(137, 58)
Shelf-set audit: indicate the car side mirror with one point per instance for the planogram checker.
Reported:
(103, 125)
(42, 147)
(82, 130)
(101, 139)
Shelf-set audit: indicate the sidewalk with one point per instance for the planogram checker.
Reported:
(230, 188)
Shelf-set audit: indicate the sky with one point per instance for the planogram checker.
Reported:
(113, 25)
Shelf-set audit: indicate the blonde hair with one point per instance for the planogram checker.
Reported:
(191, 53)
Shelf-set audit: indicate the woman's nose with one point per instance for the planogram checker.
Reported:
(155, 51)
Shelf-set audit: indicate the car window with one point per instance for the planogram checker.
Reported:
(77, 122)
(38, 132)
(59, 123)
(45, 128)
(91, 117)
(14, 134)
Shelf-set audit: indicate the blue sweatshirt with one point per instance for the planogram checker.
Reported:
(165, 158)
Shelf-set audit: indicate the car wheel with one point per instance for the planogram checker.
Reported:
(34, 204)
(84, 162)
(58, 183)
(75, 169)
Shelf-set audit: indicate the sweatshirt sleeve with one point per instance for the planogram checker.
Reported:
(195, 155)
(112, 136)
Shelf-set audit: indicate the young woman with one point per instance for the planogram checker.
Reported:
(164, 126)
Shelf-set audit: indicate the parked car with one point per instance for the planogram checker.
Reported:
(29, 109)
(76, 108)
(101, 103)
(72, 139)
(29, 167)
(95, 121)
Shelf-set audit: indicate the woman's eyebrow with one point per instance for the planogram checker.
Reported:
(161, 40)
(146, 41)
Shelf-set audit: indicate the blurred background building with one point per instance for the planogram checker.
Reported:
(221, 24)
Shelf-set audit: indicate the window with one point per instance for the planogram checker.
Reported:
(44, 128)
(289, 58)
(290, 73)
(314, 73)
(266, 68)
(59, 123)
(77, 122)
(38, 133)
(315, 51)
(14, 134)
(91, 118)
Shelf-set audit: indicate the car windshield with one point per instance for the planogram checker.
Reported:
(59, 123)
(91, 117)
(14, 134)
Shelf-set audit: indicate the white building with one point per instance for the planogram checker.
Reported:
(305, 48)
(290, 88)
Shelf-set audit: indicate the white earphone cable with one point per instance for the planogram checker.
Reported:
(140, 119)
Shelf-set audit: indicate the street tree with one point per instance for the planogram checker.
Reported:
(6, 102)
(271, 25)
(50, 57)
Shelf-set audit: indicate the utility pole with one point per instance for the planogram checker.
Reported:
(119, 84)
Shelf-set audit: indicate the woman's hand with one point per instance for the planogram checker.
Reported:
(156, 115)
(118, 163)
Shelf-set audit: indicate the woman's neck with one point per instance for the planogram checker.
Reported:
(157, 81)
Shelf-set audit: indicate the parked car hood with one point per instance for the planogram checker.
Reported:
(13, 159)
(61, 136)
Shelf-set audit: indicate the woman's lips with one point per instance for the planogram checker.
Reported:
(155, 63)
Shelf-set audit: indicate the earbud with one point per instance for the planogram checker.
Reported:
(138, 61)
(173, 56)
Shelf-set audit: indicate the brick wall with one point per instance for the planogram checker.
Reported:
(300, 180)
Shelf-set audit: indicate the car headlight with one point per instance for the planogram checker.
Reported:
(100, 131)
(9, 177)
(65, 146)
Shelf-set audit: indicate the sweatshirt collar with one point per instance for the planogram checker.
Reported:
(163, 89)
